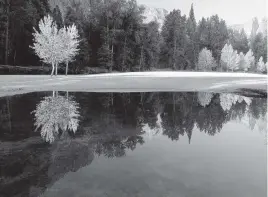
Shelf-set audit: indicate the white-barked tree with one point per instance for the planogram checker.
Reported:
(55, 46)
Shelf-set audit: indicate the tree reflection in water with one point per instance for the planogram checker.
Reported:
(109, 125)
(55, 115)
(171, 114)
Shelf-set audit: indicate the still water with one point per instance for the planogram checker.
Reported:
(58, 144)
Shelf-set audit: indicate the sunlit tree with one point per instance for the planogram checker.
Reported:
(70, 42)
(242, 62)
(55, 46)
(250, 60)
(229, 57)
(47, 43)
(206, 61)
(261, 67)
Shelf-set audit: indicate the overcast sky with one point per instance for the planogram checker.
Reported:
(233, 11)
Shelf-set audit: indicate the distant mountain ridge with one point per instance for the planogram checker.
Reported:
(154, 14)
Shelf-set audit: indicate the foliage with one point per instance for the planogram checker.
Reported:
(250, 60)
(69, 39)
(113, 36)
(258, 46)
(174, 40)
(205, 60)
(261, 68)
(17, 19)
(242, 62)
(47, 42)
(212, 34)
(229, 57)
(55, 46)
(238, 40)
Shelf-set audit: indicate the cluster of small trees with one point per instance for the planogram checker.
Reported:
(231, 60)
(55, 46)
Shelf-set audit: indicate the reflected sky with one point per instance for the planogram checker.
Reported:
(133, 144)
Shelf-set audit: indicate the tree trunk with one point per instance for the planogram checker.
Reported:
(53, 68)
(112, 53)
(15, 53)
(174, 53)
(56, 71)
(67, 65)
(124, 51)
(141, 58)
(7, 32)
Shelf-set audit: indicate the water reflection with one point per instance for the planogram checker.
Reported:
(83, 126)
(55, 115)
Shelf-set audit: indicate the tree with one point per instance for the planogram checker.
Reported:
(57, 16)
(250, 60)
(261, 66)
(86, 56)
(229, 57)
(254, 29)
(242, 62)
(148, 41)
(212, 33)
(259, 46)
(48, 43)
(16, 21)
(70, 42)
(192, 49)
(239, 40)
(174, 41)
(205, 60)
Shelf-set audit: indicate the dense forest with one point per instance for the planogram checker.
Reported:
(114, 37)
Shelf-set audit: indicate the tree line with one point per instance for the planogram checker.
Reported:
(114, 37)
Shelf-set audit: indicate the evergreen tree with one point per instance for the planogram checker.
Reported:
(213, 34)
(255, 27)
(149, 46)
(259, 46)
(174, 41)
(19, 18)
(57, 16)
(192, 48)
(239, 41)
(105, 52)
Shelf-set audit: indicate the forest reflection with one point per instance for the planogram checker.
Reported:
(61, 132)
(119, 116)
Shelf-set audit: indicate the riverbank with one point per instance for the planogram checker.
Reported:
(134, 82)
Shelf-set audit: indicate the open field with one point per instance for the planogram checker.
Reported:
(133, 82)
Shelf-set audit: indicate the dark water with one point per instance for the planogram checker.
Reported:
(131, 145)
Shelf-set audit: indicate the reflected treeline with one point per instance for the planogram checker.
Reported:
(45, 135)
